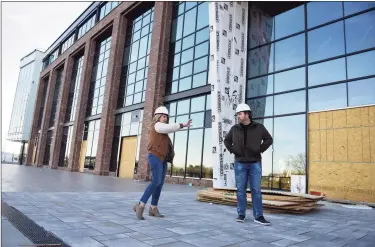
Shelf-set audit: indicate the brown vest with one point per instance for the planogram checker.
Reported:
(158, 143)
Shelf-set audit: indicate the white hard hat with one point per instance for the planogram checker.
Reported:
(161, 110)
(242, 107)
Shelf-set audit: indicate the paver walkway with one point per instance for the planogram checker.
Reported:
(88, 210)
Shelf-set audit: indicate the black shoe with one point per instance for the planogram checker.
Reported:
(261, 220)
(240, 218)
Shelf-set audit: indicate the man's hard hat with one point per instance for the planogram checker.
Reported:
(242, 107)
(161, 110)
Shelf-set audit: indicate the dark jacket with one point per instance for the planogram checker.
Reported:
(170, 155)
(258, 140)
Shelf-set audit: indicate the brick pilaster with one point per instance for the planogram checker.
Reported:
(80, 116)
(157, 75)
(60, 114)
(46, 117)
(104, 151)
(34, 128)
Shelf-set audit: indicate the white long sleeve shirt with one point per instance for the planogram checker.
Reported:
(164, 128)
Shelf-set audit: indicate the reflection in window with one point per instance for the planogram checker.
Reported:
(260, 86)
(289, 80)
(126, 124)
(98, 78)
(65, 46)
(267, 155)
(197, 109)
(136, 58)
(259, 20)
(108, 7)
(327, 98)
(56, 96)
(361, 92)
(290, 22)
(43, 103)
(91, 135)
(86, 26)
(289, 157)
(261, 107)
(327, 72)
(355, 7)
(260, 61)
(290, 103)
(290, 52)
(322, 12)
(326, 42)
(65, 146)
(74, 90)
(188, 58)
(360, 32)
(47, 152)
(362, 64)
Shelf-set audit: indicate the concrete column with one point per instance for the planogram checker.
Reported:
(157, 75)
(104, 151)
(60, 113)
(81, 106)
(34, 127)
(46, 117)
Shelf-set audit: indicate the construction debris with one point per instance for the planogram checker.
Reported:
(273, 201)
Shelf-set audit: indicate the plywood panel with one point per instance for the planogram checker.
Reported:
(354, 117)
(330, 145)
(354, 144)
(323, 120)
(127, 159)
(314, 119)
(371, 114)
(366, 149)
(339, 119)
(340, 150)
(314, 145)
(372, 144)
(329, 117)
(323, 145)
(365, 116)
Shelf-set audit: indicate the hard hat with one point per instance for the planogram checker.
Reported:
(242, 107)
(161, 110)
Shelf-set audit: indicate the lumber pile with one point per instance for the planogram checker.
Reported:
(273, 201)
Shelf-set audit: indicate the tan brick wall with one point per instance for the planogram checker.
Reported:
(342, 153)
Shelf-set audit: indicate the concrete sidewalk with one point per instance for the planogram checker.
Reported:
(11, 237)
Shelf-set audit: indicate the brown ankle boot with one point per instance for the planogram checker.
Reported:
(139, 211)
(155, 213)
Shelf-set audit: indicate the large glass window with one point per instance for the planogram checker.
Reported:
(360, 32)
(136, 58)
(193, 145)
(290, 22)
(74, 89)
(98, 77)
(56, 96)
(107, 7)
(362, 64)
(331, 71)
(362, 92)
(327, 98)
(290, 52)
(91, 136)
(65, 146)
(65, 46)
(189, 49)
(43, 102)
(86, 26)
(47, 152)
(322, 12)
(352, 7)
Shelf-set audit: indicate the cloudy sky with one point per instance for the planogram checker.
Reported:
(26, 26)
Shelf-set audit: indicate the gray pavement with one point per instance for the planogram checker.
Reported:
(88, 210)
(11, 237)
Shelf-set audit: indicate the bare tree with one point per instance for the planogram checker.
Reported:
(297, 164)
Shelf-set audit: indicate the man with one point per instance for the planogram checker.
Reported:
(247, 141)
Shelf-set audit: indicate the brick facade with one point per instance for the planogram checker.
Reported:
(116, 21)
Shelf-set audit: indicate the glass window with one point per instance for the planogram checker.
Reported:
(362, 64)
(290, 52)
(326, 42)
(186, 70)
(289, 150)
(267, 155)
(188, 42)
(185, 84)
(355, 7)
(327, 72)
(260, 86)
(202, 35)
(290, 22)
(178, 168)
(183, 107)
(260, 61)
(289, 80)
(360, 32)
(290, 103)
(361, 92)
(208, 102)
(261, 107)
(190, 18)
(322, 12)
(194, 157)
(197, 119)
(187, 56)
(200, 80)
(201, 50)
(207, 170)
(197, 104)
(200, 65)
(327, 98)
(202, 20)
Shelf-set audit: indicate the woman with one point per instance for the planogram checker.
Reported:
(160, 151)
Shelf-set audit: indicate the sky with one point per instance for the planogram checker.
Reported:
(26, 26)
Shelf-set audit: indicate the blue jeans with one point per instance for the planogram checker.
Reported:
(159, 170)
(251, 172)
